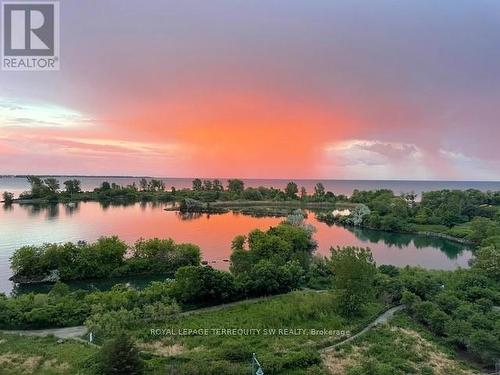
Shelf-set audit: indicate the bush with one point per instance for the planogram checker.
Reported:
(8, 198)
(102, 259)
(119, 356)
(461, 311)
(354, 273)
(203, 285)
(275, 262)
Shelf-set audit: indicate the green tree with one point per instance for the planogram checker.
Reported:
(26, 261)
(38, 189)
(143, 183)
(208, 185)
(105, 186)
(487, 260)
(235, 186)
(303, 192)
(119, 356)
(198, 284)
(252, 194)
(108, 323)
(482, 228)
(485, 345)
(197, 184)
(52, 184)
(217, 186)
(156, 185)
(8, 198)
(291, 190)
(59, 289)
(267, 277)
(354, 273)
(72, 186)
(34, 181)
(319, 191)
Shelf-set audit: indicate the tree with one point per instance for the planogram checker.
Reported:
(26, 261)
(410, 300)
(38, 189)
(72, 186)
(267, 277)
(198, 284)
(208, 185)
(482, 228)
(319, 190)
(59, 289)
(119, 356)
(52, 184)
(197, 184)
(143, 183)
(488, 261)
(485, 345)
(217, 186)
(8, 198)
(34, 181)
(105, 186)
(252, 194)
(303, 192)
(291, 190)
(354, 273)
(410, 199)
(235, 186)
(156, 185)
(357, 215)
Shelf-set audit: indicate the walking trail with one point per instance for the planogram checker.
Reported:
(79, 331)
(383, 318)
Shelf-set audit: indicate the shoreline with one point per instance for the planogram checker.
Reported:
(446, 237)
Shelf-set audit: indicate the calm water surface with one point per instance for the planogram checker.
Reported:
(28, 224)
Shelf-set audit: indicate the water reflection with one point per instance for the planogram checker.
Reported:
(7, 206)
(188, 216)
(71, 208)
(450, 248)
(52, 210)
(36, 224)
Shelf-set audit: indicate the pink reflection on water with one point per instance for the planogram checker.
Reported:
(21, 226)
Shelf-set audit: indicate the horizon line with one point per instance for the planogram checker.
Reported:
(241, 178)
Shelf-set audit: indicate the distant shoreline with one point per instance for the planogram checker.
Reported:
(244, 178)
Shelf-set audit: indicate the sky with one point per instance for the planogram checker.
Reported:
(343, 89)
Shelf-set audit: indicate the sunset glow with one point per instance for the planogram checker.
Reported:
(262, 90)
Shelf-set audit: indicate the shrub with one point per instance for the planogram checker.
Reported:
(119, 356)
(354, 273)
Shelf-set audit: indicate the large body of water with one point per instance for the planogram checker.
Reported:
(17, 185)
(29, 225)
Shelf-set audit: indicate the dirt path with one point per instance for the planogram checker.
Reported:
(383, 318)
(78, 331)
(62, 333)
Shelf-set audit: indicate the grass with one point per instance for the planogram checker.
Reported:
(288, 351)
(402, 347)
(279, 352)
(20, 355)
(460, 231)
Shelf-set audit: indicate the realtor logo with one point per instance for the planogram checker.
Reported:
(30, 35)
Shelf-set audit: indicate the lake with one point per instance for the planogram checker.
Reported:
(30, 224)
